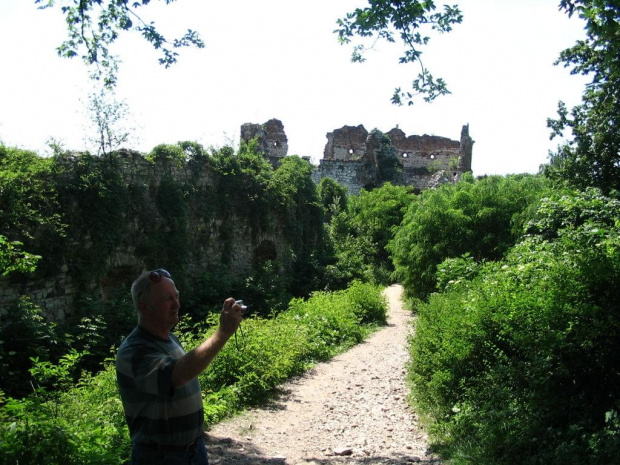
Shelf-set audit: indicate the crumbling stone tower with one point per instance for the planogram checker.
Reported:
(272, 140)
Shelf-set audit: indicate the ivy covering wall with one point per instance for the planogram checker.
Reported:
(224, 223)
(197, 213)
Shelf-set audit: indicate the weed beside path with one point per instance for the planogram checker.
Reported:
(351, 409)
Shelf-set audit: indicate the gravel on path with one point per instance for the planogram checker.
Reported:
(352, 409)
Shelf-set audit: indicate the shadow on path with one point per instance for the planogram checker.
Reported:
(226, 451)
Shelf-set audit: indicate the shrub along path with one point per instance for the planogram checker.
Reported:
(352, 409)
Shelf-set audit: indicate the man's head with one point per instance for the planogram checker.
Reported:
(156, 299)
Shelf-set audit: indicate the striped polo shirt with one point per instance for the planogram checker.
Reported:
(157, 412)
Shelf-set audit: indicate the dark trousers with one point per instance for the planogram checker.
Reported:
(143, 454)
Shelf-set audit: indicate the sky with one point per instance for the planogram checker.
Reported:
(281, 59)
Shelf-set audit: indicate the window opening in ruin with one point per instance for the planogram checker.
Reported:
(432, 157)
(405, 155)
(350, 151)
(276, 144)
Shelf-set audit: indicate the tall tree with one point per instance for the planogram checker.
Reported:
(592, 156)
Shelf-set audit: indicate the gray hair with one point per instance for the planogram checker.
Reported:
(140, 288)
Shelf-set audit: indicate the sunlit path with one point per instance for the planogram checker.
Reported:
(352, 409)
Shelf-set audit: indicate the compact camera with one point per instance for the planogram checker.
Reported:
(242, 305)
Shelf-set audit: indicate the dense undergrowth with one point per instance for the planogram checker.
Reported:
(515, 361)
(482, 218)
(66, 423)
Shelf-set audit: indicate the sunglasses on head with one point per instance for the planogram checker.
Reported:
(156, 275)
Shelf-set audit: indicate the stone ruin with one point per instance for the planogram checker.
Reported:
(350, 155)
(272, 140)
(350, 158)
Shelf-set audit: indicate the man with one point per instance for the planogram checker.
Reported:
(158, 381)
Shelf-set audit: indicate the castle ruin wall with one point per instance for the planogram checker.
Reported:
(272, 140)
(347, 143)
(56, 295)
(354, 175)
(349, 156)
(426, 160)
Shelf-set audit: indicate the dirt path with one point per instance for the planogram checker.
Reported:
(352, 409)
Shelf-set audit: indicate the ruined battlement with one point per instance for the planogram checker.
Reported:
(271, 138)
(352, 155)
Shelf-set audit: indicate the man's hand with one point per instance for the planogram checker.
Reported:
(196, 361)
(231, 317)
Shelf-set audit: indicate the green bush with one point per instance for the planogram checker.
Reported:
(194, 150)
(97, 325)
(24, 333)
(454, 272)
(368, 305)
(299, 209)
(29, 208)
(333, 197)
(481, 217)
(266, 289)
(361, 233)
(175, 154)
(265, 353)
(84, 424)
(28, 200)
(13, 259)
(520, 364)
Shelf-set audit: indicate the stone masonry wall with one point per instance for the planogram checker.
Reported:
(422, 151)
(272, 140)
(346, 144)
(55, 295)
(352, 174)
(427, 160)
(241, 246)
